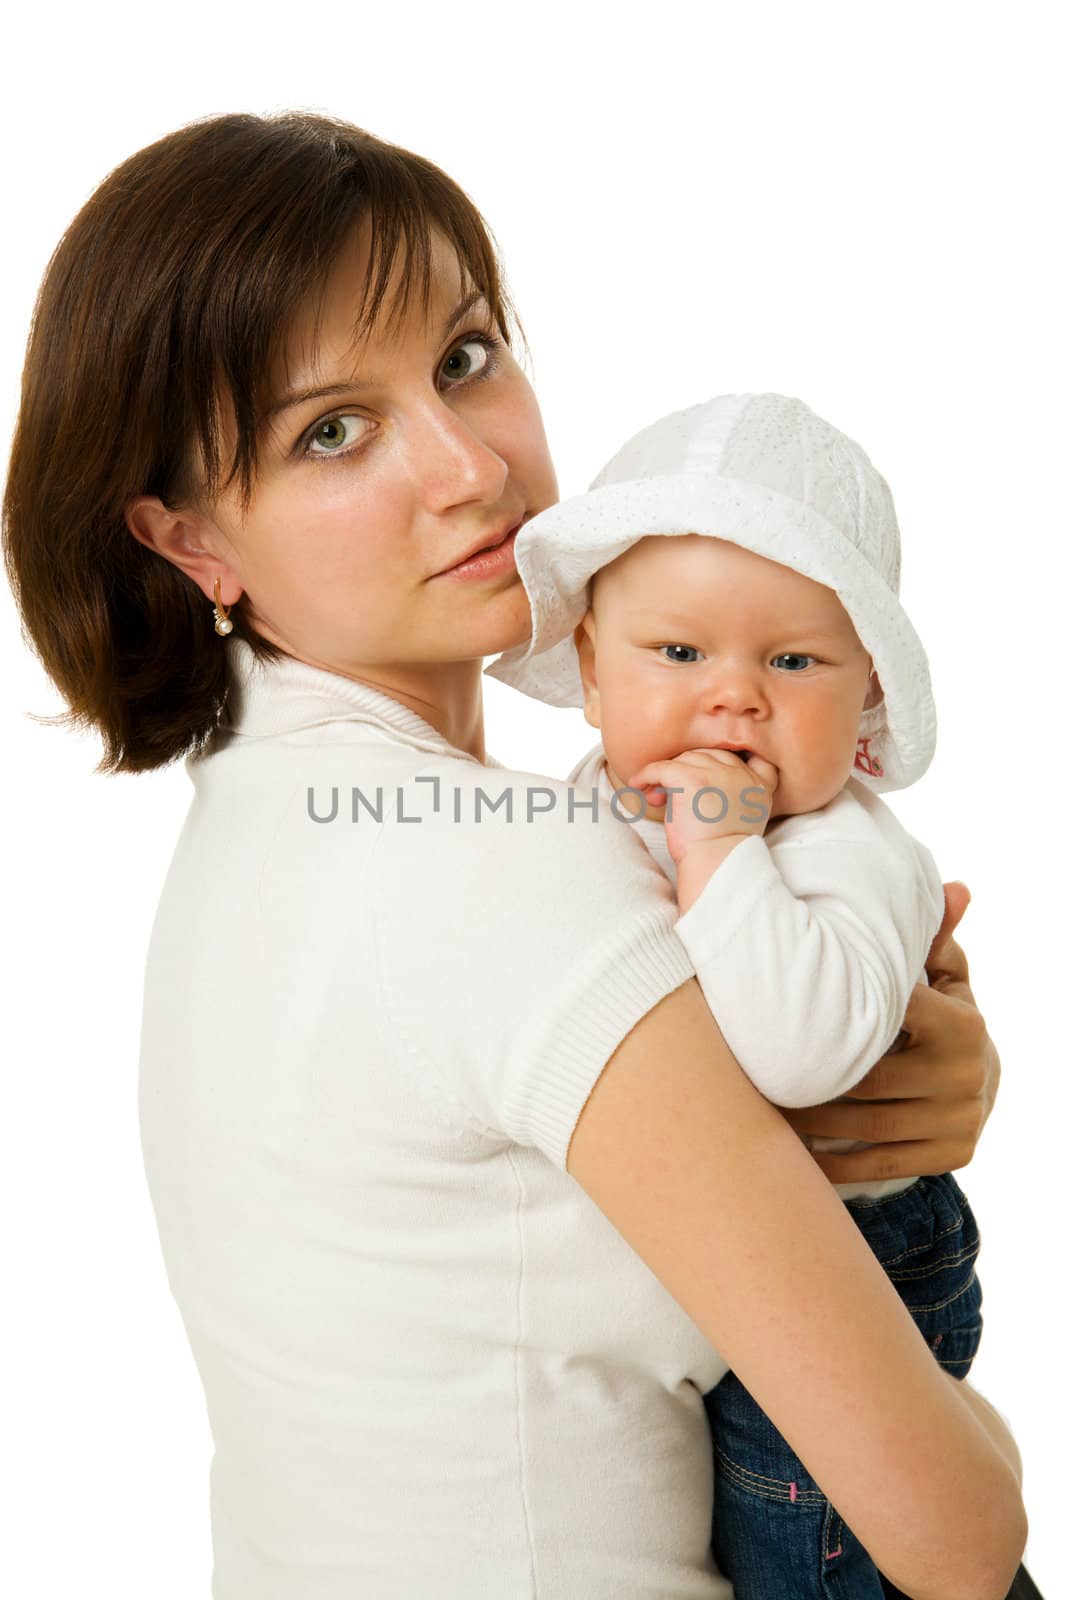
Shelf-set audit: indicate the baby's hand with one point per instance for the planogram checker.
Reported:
(740, 807)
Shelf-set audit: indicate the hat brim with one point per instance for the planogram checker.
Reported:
(558, 551)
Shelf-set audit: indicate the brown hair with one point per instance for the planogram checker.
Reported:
(170, 294)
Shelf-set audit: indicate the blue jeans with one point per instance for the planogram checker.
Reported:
(774, 1533)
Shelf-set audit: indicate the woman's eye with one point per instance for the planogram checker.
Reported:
(459, 366)
(790, 655)
(685, 659)
(336, 436)
(333, 435)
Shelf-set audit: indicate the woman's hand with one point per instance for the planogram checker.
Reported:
(922, 1107)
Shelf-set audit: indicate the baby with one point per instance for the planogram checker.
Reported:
(723, 604)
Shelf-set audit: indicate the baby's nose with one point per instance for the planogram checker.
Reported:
(734, 690)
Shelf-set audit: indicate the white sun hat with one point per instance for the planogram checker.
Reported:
(764, 472)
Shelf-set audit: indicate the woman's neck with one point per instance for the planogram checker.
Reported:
(448, 696)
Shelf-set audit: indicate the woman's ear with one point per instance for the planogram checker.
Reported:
(585, 644)
(186, 538)
(874, 692)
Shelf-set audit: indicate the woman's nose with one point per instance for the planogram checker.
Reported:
(453, 462)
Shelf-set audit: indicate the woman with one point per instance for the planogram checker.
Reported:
(436, 1167)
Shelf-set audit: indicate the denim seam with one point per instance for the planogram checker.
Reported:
(780, 1489)
(953, 1227)
(832, 1530)
(928, 1244)
(942, 1264)
(939, 1305)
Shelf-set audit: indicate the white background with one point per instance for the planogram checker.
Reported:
(859, 204)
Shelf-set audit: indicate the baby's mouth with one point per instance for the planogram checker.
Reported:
(746, 755)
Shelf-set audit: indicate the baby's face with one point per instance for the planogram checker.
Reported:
(692, 641)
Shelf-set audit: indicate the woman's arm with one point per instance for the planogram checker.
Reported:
(708, 1184)
(995, 1426)
(922, 1108)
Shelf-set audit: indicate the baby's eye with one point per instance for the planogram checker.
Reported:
(790, 655)
(693, 651)
(334, 434)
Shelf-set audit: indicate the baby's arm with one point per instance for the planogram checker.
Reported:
(808, 943)
(808, 948)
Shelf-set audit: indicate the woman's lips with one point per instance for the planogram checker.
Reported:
(487, 563)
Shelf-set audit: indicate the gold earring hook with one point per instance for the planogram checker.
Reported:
(222, 613)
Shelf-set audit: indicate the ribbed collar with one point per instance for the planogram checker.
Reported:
(275, 697)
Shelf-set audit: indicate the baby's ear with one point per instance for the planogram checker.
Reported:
(875, 695)
(585, 644)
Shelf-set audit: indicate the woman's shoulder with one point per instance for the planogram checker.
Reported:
(516, 942)
(504, 826)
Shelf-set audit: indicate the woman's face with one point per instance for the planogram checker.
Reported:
(428, 445)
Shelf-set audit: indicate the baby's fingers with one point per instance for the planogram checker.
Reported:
(653, 775)
(764, 771)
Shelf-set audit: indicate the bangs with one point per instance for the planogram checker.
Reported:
(273, 256)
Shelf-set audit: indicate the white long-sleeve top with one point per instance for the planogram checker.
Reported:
(807, 943)
(432, 1366)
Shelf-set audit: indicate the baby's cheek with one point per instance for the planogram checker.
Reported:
(623, 742)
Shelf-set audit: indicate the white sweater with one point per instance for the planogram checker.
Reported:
(432, 1366)
(807, 942)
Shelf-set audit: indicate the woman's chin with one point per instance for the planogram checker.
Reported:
(508, 627)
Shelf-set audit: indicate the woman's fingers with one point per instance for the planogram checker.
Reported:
(895, 1077)
(946, 962)
(944, 1018)
(943, 1059)
(923, 1107)
(885, 1121)
(957, 899)
(919, 1158)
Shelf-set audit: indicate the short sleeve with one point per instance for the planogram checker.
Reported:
(518, 940)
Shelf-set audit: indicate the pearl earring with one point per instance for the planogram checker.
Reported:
(222, 615)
